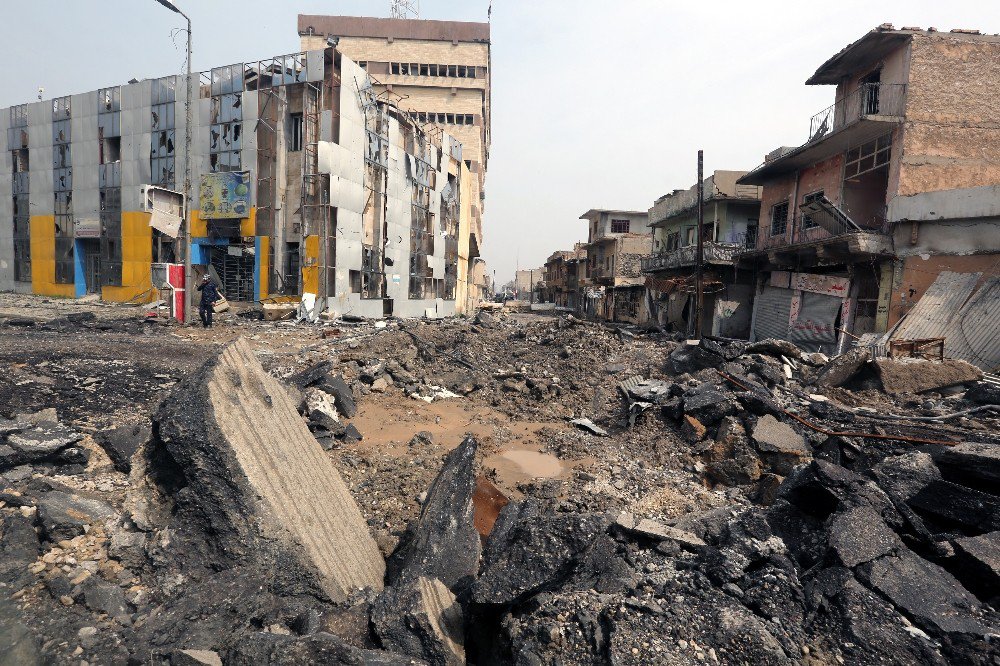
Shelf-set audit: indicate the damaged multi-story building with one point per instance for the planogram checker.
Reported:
(895, 186)
(439, 71)
(306, 181)
(561, 283)
(730, 222)
(613, 287)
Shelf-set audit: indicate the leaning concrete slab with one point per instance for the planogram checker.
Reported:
(912, 375)
(260, 483)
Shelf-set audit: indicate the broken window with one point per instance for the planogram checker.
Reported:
(17, 132)
(779, 218)
(868, 157)
(619, 226)
(162, 125)
(807, 221)
(295, 133)
(394, 67)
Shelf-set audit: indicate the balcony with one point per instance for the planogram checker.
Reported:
(714, 253)
(820, 234)
(867, 113)
(868, 101)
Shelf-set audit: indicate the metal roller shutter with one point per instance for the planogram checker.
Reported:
(774, 306)
(815, 329)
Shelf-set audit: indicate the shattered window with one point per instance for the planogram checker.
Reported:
(225, 135)
(163, 125)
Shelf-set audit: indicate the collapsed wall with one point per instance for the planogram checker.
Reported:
(250, 476)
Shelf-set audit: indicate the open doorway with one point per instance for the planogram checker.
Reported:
(90, 250)
(234, 267)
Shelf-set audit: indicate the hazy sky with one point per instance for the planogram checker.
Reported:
(595, 104)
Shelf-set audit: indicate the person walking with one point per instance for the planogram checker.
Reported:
(209, 296)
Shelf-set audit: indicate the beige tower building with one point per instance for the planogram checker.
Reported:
(438, 70)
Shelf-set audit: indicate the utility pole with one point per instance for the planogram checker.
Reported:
(184, 235)
(699, 267)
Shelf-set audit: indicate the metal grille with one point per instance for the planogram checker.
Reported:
(235, 270)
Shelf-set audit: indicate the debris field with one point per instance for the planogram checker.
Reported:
(506, 489)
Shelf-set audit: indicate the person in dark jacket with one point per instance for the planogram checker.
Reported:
(209, 295)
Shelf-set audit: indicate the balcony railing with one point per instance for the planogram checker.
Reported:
(795, 232)
(687, 256)
(869, 99)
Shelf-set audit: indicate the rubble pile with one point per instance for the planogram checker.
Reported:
(718, 502)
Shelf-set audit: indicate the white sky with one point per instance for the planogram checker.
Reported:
(595, 104)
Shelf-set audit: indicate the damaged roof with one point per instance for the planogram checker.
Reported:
(369, 26)
(874, 46)
(593, 212)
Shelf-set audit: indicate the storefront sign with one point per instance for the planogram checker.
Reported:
(225, 195)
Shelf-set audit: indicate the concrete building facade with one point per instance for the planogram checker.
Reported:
(612, 287)
(304, 182)
(891, 188)
(730, 215)
(440, 72)
(561, 283)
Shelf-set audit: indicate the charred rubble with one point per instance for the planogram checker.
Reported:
(857, 519)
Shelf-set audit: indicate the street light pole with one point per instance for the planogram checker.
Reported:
(184, 235)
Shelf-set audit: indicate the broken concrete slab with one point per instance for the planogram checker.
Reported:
(709, 404)
(926, 593)
(915, 375)
(530, 549)
(774, 347)
(259, 484)
(322, 411)
(590, 426)
(906, 475)
(859, 535)
(954, 504)
(195, 657)
(780, 445)
(774, 436)
(980, 563)
(842, 368)
(694, 355)
(122, 442)
(978, 461)
(343, 397)
(64, 515)
(421, 618)
(443, 542)
(42, 440)
(656, 530)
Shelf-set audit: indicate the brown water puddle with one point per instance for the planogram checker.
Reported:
(516, 466)
(511, 448)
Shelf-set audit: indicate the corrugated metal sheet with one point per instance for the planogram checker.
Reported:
(815, 329)
(974, 333)
(773, 305)
(932, 314)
